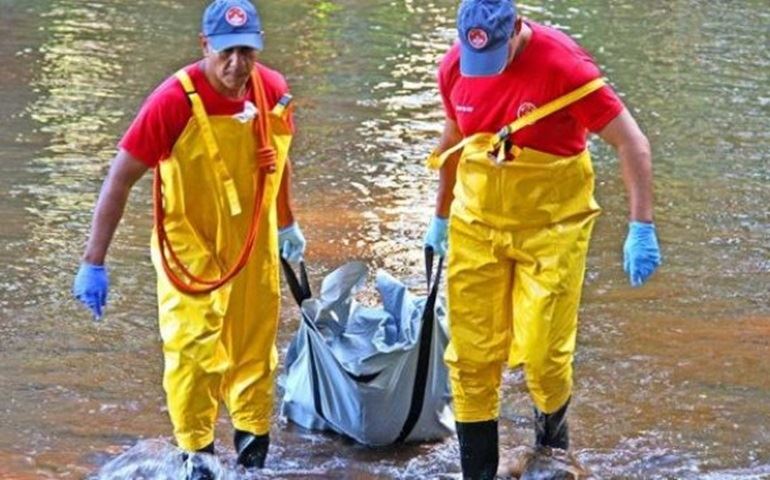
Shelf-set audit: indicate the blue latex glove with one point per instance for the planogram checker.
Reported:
(91, 286)
(291, 242)
(436, 236)
(641, 253)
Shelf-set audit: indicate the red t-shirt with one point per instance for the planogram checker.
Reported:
(550, 65)
(165, 113)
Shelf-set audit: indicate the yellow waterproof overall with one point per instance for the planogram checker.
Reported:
(518, 235)
(219, 345)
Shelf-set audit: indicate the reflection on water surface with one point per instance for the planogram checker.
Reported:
(672, 379)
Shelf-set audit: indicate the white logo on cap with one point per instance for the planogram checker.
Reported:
(236, 16)
(478, 38)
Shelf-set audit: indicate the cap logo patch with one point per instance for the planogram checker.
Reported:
(236, 16)
(478, 38)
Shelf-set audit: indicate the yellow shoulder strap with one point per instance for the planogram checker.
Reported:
(202, 118)
(551, 107)
(525, 121)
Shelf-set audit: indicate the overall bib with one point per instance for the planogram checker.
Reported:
(219, 345)
(518, 236)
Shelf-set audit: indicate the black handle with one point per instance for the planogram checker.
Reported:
(429, 260)
(300, 287)
(423, 355)
(428, 264)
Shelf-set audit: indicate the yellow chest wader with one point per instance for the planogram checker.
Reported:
(518, 236)
(215, 251)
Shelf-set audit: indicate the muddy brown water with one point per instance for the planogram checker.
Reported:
(672, 380)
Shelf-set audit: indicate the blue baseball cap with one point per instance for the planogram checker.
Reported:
(485, 28)
(232, 23)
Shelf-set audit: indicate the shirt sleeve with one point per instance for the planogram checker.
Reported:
(151, 136)
(596, 110)
(445, 83)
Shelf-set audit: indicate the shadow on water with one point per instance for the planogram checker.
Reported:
(672, 380)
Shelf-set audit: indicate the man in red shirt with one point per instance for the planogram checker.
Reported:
(515, 209)
(217, 135)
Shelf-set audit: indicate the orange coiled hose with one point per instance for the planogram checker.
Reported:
(266, 164)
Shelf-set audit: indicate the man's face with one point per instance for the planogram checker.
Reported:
(232, 67)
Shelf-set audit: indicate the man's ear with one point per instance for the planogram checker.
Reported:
(204, 43)
(517, 25)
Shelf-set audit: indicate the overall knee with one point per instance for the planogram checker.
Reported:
(549, 383)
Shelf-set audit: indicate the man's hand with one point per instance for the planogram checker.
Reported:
(291, 242)
(641, 253)
(91, 286)
(436, 236)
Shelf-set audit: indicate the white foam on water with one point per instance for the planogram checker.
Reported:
(157, 459)
(760, 472)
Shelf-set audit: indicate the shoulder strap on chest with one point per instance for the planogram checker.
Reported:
(529, 119)
(207, 135)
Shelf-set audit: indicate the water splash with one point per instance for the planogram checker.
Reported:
(158, 460)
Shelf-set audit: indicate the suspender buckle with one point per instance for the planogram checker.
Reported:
(504, 133)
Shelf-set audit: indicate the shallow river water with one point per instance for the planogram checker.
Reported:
(672, 380)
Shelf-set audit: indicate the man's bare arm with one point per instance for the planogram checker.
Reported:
(124, 173)
(635, 156)
(448, 173)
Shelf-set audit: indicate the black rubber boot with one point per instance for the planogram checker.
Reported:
(207, 449)
(551, 428)
(251, 449)
(195, 468)
(478, 449)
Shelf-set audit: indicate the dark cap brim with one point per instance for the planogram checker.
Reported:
(486, 63)
(231, 40)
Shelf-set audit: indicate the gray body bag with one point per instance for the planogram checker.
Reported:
(375, 375)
